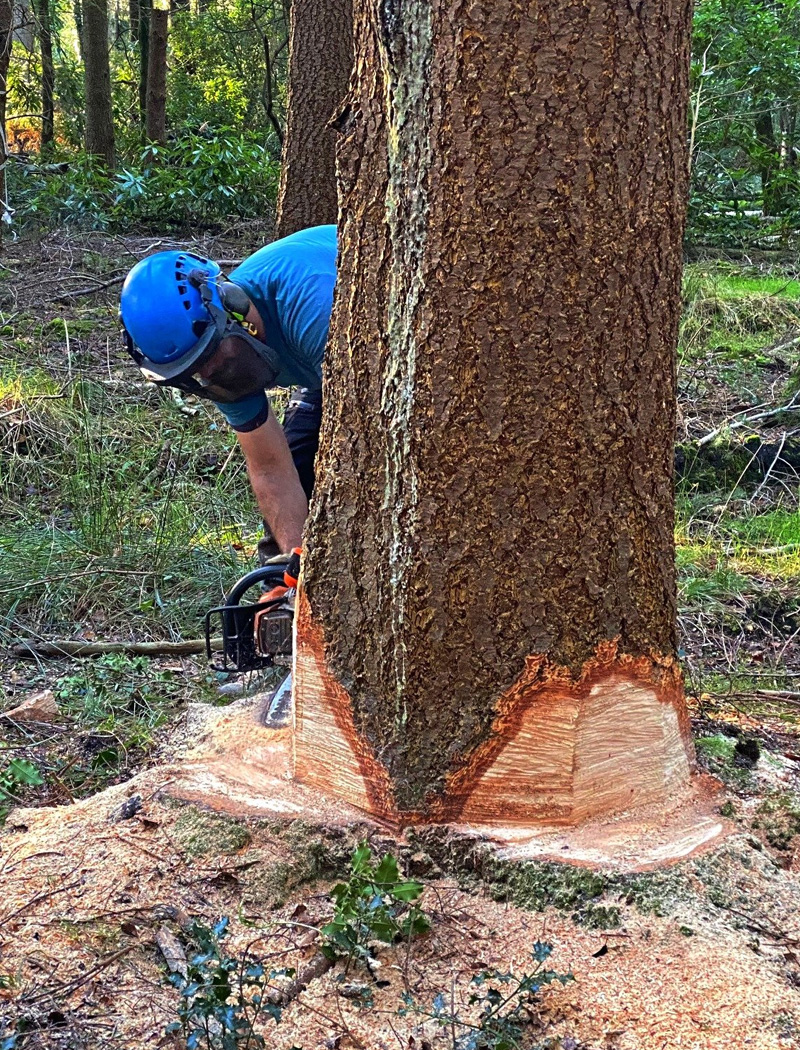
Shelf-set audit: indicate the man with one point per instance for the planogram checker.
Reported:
(230, 340)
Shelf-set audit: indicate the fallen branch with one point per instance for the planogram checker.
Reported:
(70, 647)
(80, 981)
(745, 420)
(99, 287)
(318, 965)
(784, 696)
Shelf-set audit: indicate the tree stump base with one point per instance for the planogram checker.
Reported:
(243, 769)
(563, 749)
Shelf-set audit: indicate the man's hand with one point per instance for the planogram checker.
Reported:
(275, 483)
(291, 575)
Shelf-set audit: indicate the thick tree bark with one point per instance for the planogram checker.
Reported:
(6, 39)
(486, 629)
(156, 123)
(48, 72)
(99, 117)
(320, 59)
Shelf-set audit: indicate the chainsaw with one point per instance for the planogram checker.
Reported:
(257, 634)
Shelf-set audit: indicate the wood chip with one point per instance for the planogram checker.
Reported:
(172, 950)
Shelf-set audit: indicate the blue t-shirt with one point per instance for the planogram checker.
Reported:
(290, 283)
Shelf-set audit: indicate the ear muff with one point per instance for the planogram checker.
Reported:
(235, 301)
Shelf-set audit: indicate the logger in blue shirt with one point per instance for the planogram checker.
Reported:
(230, 340)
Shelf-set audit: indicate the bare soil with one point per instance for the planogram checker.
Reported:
(702, 954)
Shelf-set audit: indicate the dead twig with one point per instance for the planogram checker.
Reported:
(71, 647)
(780, 695)
(771, 468)
(45, 895)
(78, 982)
(735, 423)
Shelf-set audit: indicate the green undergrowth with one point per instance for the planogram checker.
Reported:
(121, 510)
(738, 326)
(111, 709)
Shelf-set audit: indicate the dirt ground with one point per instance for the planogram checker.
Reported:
(703, 954)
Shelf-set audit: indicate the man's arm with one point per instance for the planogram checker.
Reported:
(275, 483)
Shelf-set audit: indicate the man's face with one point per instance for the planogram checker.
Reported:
(234, 371)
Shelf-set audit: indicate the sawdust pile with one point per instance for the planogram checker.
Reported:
(88, 888)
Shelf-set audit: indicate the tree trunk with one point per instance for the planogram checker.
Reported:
(768, 159)
(6, 38)
(145, 10)
(156, 123)
(77, 10)
(99, 117)
(320, 59)
(133, 17)
(48, 73)
(486, 627)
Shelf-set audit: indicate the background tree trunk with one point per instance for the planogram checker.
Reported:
(145, 9)
(99, 117)
(487, 625)
(133, 17)
(6, 38)
(320, 59)
(768, 158)
(156, 123)
(77, 10)
(48, 72)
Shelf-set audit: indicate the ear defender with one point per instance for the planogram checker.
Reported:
(235, 301)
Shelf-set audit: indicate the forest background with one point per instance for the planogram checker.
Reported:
(204, 144)
(125, 511)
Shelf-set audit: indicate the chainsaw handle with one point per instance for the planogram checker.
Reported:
(270, 574)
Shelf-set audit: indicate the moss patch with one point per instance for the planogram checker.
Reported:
(778, 818)
(313, 854)
(203, 834)
(719, 748)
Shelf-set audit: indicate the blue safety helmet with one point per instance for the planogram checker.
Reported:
(175, 310)
(163, 310)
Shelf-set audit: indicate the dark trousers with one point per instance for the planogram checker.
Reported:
(301, 423)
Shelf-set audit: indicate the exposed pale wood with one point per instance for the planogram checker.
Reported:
(241, 768)
(325, 742)
(563, 750)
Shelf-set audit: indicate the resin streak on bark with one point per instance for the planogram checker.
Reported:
(495, 470)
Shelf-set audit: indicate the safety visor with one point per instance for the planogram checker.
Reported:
(181, 373)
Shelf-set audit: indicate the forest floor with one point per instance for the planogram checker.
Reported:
(125, 512)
